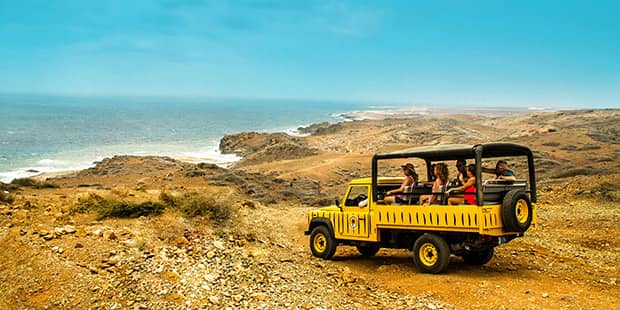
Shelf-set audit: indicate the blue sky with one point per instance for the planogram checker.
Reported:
(526, 53)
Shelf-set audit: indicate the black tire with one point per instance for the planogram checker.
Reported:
(322, 244)
(431, 254)
(368, 250)
(478, 257)
(516, 211)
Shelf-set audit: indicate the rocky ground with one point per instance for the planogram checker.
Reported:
(59, 248)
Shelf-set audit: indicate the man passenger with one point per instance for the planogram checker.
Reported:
(501, 171)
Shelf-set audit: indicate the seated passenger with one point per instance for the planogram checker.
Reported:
(469, 188)
(440, 172)
(461, 176)
(501, 171)
(411, 179)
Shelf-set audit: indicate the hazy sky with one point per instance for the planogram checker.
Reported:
(532, 53)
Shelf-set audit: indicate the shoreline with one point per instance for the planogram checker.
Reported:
(226, 160)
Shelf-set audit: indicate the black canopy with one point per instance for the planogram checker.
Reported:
(462, 151)
(458, 151)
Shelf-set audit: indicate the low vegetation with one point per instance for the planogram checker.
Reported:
(115, 207)
(32, 183)
(197, 204)
(189, 204)
(5, 197)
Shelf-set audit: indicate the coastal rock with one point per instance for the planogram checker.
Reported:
(257, 147)
(122, 165)
(324, 128)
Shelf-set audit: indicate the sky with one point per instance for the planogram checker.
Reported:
(520, 53)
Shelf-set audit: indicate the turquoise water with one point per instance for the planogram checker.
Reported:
(57, 133)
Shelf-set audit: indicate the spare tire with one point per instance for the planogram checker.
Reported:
(516, 211)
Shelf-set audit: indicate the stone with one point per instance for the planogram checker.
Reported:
(214, 300)
(545, 295)
(171, 276)
(47, 235)
(97, 233)
(109, 235)
(568, 298)
(70, 229)
(211, 278)
(112, 260)
(15, 231)
(210, 254)
(218, 245)
(347, 276)
(80, 233)
(260, 297)
(180, 241)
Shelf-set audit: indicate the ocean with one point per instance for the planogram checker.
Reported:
(59, 133)
(51, 133)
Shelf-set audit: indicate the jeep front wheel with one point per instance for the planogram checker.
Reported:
(368, 250)
(321, 243)
(431, 254)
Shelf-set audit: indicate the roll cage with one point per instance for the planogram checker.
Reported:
(461, 151)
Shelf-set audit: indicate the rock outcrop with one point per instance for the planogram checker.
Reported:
(263, 147)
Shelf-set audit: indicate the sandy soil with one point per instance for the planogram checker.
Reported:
(52, 256)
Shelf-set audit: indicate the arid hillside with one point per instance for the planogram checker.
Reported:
(155, 233)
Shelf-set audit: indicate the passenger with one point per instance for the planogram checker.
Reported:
(468, 188)
(461, 176)
(440, 172)
(501, 171)
(411, 179)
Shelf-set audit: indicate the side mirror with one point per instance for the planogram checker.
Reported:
(338, 204)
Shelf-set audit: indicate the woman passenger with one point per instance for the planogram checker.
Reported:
(441, 179)
(468, 189)
(411, 179)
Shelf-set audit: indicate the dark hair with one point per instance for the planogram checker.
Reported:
(442, 171)
(501, 161)
(461, 161)
(472, 168)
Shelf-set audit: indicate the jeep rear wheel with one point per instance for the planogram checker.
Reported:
(431, 254)
(478, 257)
(516, 211)
(368, 250)
(322, 244)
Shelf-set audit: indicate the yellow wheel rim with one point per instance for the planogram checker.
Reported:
(320, 243)
(522, 211)
(428, 254)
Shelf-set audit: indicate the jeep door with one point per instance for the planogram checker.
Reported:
(354, 221)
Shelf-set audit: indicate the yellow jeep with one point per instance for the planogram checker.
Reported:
(503, 211)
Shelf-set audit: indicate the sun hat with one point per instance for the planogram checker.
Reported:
(409, 166)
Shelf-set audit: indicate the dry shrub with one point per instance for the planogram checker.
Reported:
(125, 209)
(114, 207)
(606, 191)
(572, 172)
(28, 182)
(196, 204)
(6, 197)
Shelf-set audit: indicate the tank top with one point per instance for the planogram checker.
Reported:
(470, 199)
(401, 196)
